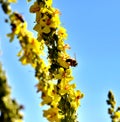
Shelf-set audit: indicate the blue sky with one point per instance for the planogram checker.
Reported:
(93, 27)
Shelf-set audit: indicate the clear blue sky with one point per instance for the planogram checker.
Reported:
(93, 27)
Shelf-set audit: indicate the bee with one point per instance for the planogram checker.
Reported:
(72, 62)
(19, 16)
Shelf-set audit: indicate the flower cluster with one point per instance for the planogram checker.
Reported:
(57, 91)
(54, 77)
(114, 113)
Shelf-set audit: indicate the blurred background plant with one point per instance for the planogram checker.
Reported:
(10, 110)
(113, 111)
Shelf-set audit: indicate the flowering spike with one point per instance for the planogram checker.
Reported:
(55, 76)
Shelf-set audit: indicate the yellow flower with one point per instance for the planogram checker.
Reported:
(64, 74)
(55, 21)
(52, 114)
(35, 7)
(62, 46)
(42, 26)
(63, 62)
(23, 60)
(62, 33)
(117, 114)
(52, 91)
(60, 73)
(41, 86)
(55, 99)
(46, 98)
(28, 57)
(48, 2)
(48, 93)
(20, 53)
(35, 46)
(47, 21)
(45, 10)
(76, 96)
(62, 59)
(65, 87)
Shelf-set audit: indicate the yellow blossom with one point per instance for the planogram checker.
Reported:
(52, 114)
(46, 98)
(76, 96)
(62, 33)
(64, 75)
(48, 2)
(35, 7)
(117, 114)
(62, 59)
(23, 60)
(62, 46)
(65, 87)
(41, 86)
(52, 91)
(48, 23)
(20, 53)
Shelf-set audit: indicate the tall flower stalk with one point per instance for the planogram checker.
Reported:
(57, 92)
(55, 76)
